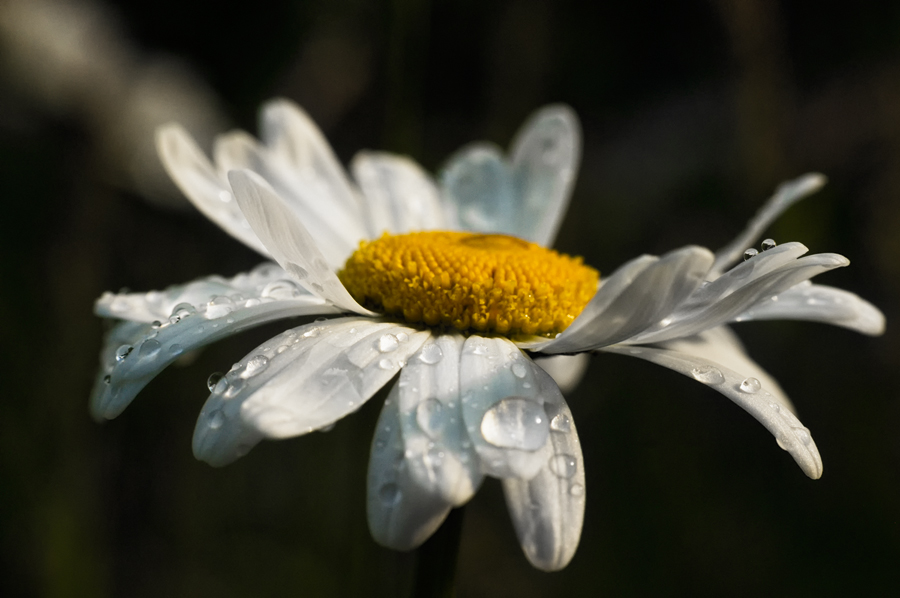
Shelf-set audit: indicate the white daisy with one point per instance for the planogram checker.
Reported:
(460, 316)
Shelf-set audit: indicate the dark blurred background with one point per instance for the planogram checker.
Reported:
(693, 112)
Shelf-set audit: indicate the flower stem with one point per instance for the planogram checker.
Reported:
(435, 575)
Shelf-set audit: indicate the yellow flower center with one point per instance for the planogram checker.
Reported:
(487, 283)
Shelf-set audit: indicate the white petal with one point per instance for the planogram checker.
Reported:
(158, 305)
(697, 318)
(478, 185)
(545, 155)
(134, 353)
(548, 510)
(199, 181)
(336, 229)
(723, 346)
(566, 370)
(652, 295)
(609, 291)
(288, 240)
(820, 303)
(325, 371)
(402, 513)
(757, 400)
(787, 194)
(295, 138)
(400, 197)
(502, 408)
(439, 455)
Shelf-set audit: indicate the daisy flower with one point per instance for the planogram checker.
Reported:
(449, 285)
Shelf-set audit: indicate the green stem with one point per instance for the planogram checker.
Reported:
(435, 575)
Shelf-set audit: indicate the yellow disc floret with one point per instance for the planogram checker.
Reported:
(487, 283)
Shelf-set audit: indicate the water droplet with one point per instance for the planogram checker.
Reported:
(107, 379)
(176, 349)
(252, 302)
(386, 364)
(224, 196)
(149, 348)
(431, 354)
(155, 324)
(775, 407)
(281, 349)
(218, 307)
(576, 490)
(389, 494)
(123, 352)
(478, 349)
(311, 333)
(429, 416)
(802, 435)
(213, 380)
(388, 343)
(750, 385)
(563, 466)
(255, 365)
(708, 374)
(297, 270)
(281, 290)
(767, 244)
(402, 337)
(750, 253)
(519, 370)
(216, 419)
(561, 423)
(318, 288)
(516, 422)
(181, 311)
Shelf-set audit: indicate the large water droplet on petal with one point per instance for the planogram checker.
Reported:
(803, 436)
(750, 253)
(213, 380)
(708, 374)
(149, 348)
(563, 466)
(750, 386)
(767, 244)
(388, 343)
(431, 354)
(281, 290)
(429, 416)
(218, 307)
(516, 422)
(181, 311)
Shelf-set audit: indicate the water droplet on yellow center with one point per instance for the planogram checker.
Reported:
(487, 283)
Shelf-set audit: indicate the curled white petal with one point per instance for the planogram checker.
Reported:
(288, 240)
(650, 297)
(134, 353)
(820, 303)
(335, 229)
(158, 305)
(402, 513)
(548, 509)
(747, 392)
(698, 316)
(787, 194)
(202, 184)
(544, 156)
(439, 455)
(304, 379)
(400, 197)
